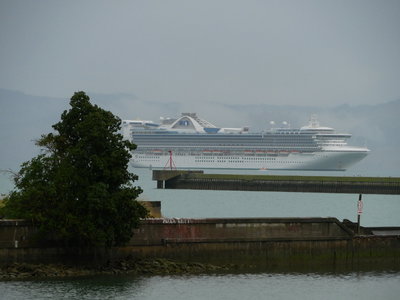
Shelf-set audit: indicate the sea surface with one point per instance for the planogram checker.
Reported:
(368, 285)
(379, 210)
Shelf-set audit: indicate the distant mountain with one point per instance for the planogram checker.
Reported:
(23, 118)
(374, 126)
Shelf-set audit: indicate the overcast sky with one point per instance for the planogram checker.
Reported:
(272, 52)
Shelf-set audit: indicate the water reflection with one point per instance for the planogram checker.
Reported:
(295, 285)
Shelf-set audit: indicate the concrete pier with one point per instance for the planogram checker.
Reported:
(307, 184)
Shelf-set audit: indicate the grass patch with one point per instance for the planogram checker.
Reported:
(295, 178)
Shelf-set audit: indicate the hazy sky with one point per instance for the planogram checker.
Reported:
(273, 52)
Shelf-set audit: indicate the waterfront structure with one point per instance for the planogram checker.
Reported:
(197, 180)
(194, 143)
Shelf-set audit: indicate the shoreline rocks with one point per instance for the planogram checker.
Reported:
(160, 266)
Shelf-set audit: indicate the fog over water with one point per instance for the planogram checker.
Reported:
(24, 118)
(235, 63)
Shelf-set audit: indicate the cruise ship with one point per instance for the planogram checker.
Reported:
(189, 142)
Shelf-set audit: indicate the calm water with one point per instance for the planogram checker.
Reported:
(378, 211)
(239, 286)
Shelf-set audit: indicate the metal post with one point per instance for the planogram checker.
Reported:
(359, 212)
(170, 163)
(160, 184)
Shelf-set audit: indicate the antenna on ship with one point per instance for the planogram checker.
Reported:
(170, 163)
(313, 122)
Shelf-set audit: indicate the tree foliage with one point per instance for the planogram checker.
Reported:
(79, 189)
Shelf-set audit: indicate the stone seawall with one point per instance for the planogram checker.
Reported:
(172, 231)
(262, 242)
(17, 234)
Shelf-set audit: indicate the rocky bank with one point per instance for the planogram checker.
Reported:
(128, 266)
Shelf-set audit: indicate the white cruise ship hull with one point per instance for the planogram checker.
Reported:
(323, 161)
(195, 143)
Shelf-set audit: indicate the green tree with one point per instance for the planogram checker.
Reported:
(79, 190)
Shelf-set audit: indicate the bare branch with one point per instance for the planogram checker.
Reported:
(10, 173)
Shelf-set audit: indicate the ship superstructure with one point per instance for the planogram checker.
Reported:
(195, 143)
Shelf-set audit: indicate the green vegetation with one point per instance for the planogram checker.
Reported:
(79, 190)
(294, 178)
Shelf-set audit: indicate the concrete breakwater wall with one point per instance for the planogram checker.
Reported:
(264, 242)
(307, 184)
(173, 231)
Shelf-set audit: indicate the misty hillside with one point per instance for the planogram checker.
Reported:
(23, 118)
